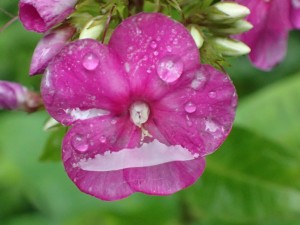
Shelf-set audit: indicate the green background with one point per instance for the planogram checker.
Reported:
(253, 179)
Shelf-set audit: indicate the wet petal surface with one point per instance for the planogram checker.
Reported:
(156, 52)
(84, 80)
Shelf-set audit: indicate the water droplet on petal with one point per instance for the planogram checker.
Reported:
(80, 143)
(190, 107)
(153, 44)
(113, 121)
(155, 53)
(169, 69)
(90, 61)
(199, 81)
(102, 139)
(169, 48)
(212, 94)
(149, 70)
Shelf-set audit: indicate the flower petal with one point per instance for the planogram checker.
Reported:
(167, 178)
(48, 47)
(198, 117)
(268, 38)
(90, 138)
(41, 15)
(155, 51)
(83, 81)
(295, 14)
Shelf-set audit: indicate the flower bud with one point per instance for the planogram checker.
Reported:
(48, 47)
(237, 27)
(93, 29)
(230, 47)
(224, 12)
(12, 95)
(41, 15)
(196, 36)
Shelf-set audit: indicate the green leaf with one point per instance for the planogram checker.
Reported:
(274, 112)
(249, 180)
(52, 148)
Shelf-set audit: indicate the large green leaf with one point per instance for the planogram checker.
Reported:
(249, 180)
(274, 112)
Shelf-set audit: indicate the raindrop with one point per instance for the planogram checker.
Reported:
(80, 143)
(169, 48)
(102, 139)
(149, 70)
(90, 61)
(155, 53)
(169, 69)
(190, 107)
(199, 81)
(153, 44)
(127, 67)
(113, 121)
(212, 94)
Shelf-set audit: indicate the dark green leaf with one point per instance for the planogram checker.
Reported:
(274, 112)
(249, 180)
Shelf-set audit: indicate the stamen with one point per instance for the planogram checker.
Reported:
(139, 113)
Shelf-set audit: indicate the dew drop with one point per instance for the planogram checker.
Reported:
(212, 94)
(149, 70)
(113, 121)
(155, 53)
(102, 139)
(153, 44)
(80, 143)
(90, 61)
(199, 81)
(169, 69)
(169, 48)
(190, 107)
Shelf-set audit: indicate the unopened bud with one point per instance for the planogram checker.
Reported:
(93, 29)
(197, 36)
(230, 47)
(225, 12)
(237, 27)
(14, 96)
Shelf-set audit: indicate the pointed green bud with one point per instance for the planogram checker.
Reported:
(196, 36)
(51, 124)
(225, 12)
(230, 47)
(93, 29)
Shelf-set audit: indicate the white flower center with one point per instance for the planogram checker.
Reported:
(139, 113)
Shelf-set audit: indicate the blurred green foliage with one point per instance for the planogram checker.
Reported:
(253, 179)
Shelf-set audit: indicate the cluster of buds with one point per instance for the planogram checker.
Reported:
(222, 21)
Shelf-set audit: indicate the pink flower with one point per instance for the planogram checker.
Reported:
(272, 21)
(144, 112)
(12, 95)
(41, 15)
(48, 47)
(295, 13)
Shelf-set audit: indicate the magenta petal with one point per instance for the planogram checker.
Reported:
(86, 140)
(83, 81)
(48, 47)
(198, 117)
(295, 14)
(268, 38)
(155, 51)
(41, 15)
(166, 178)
